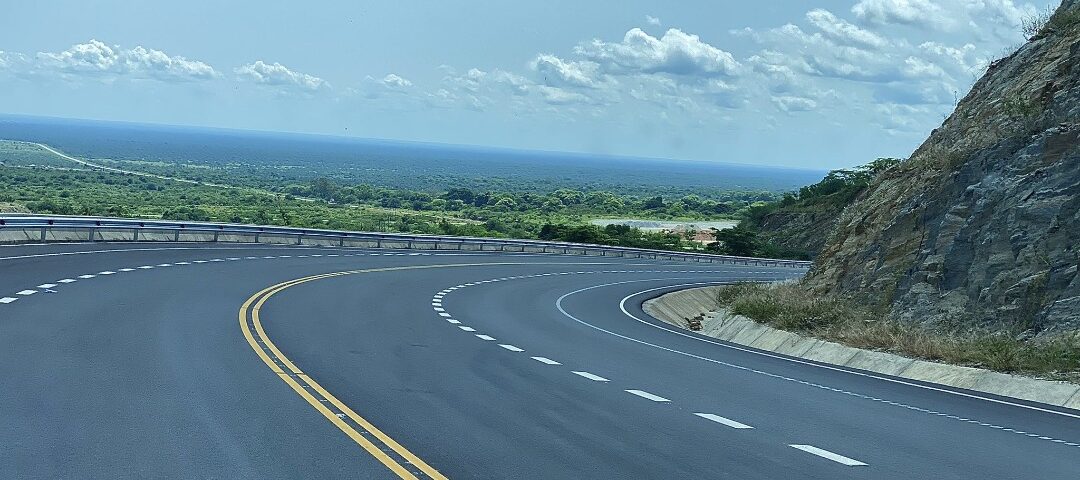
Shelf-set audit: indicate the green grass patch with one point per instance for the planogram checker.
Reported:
(791, 307)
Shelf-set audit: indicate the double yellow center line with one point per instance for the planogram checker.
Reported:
(396, 457)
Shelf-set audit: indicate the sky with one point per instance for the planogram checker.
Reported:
(819, 84)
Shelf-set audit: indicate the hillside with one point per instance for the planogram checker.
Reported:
(799, 224)
(979, 225)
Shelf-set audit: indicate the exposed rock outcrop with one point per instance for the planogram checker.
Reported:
(981, 225)
(800, 231)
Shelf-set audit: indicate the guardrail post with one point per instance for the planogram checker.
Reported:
(134, 234)
(408, 244)
(90, 236)
(341, 242)
(176, 236)
(216, 233)
(378, 243)
(43, 234)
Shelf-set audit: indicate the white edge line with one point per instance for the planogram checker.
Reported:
(622, 306)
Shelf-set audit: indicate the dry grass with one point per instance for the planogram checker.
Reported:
(790, 307)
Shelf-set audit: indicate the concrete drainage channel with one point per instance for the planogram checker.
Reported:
(675, 307)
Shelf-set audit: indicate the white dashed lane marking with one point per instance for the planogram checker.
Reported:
(444, 314)
(451, 320)
(485, 337)
(644, 394)
(851, 462)
(595, 378)
(511, 347)
(46, 285)
(84, 277)
(467, 329)
(546, 361)
(7, 299)
(26, 292)
(723, 421)
(66, 280)
(106, 272)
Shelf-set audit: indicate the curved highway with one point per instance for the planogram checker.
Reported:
(256, 361)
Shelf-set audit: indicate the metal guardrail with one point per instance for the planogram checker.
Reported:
(23, 228)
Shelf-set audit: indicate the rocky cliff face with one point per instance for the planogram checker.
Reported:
(981, 225)
(798, 231)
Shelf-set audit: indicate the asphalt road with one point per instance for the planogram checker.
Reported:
(177, 361)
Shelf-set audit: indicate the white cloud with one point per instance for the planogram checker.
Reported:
(844, 32)
(792, 103)
(480, 90)
(390, 84)
(566, 73)
(277, 74)
(815, 54)
(1001, 12)
(922, 13)
(676, 53)
(10, 60)
(900, 118)
(97, 58)
(886, 67)
(559, 96)
(722, 94)
(394, 81)
(1001, 17)
(651, 20)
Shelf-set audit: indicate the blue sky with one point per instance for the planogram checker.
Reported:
(821, 84)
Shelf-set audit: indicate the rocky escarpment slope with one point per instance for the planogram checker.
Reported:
(981, 225)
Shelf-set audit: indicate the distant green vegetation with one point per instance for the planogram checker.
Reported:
(838, 189)
(42, 183)
(796, 225)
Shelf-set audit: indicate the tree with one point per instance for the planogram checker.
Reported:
(653, 203)
(738, 241)
(463, 194)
